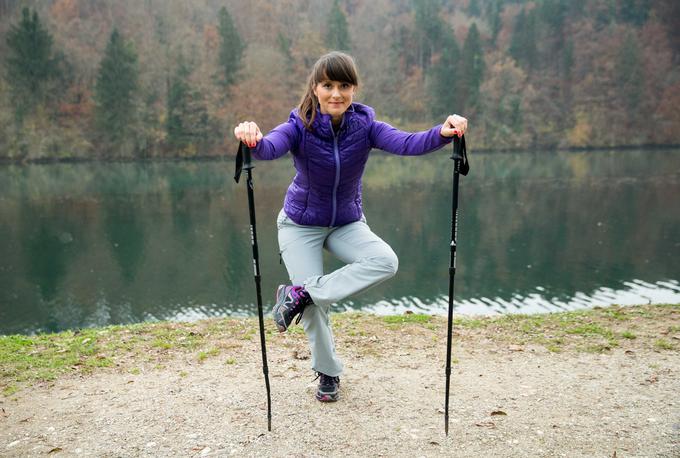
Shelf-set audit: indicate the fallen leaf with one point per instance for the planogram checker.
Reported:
(55, 450)
(516, 348)
(498, 412)
(301, 355)
(434, 443)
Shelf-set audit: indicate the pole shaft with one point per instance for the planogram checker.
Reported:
(256, 271)
(457, 157)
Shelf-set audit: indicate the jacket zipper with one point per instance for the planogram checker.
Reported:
(336, 153)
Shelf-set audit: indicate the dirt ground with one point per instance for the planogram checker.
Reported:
(510, 397)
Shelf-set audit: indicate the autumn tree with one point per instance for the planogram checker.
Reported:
(231, 49)
(337, 35)
(31, 62)
(115, 88)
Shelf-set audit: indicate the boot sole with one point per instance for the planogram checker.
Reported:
(279, 292)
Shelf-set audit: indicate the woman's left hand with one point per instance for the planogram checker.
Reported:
(454, 125)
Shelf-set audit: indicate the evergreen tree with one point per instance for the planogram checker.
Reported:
(494, 9)
(443, 79)
(178, 92)
(337, 34)
(187, 119)
(635, 11)
(31, 64)
(523, 42)
(629, 74)
(474, 9)
(429, 29)
(115, 88)
(231, 48)
(473, 67)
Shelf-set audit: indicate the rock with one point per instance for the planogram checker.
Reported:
(12, 444)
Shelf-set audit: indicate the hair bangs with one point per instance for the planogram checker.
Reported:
(337, 67)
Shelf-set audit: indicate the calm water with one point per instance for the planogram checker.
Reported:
(96, 244)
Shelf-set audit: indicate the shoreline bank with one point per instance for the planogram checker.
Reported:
(596, 383)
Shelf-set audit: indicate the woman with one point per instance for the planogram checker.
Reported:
(330, 137)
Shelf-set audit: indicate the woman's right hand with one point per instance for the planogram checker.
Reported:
(248, 133)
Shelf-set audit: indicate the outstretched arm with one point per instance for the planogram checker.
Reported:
(276, 143)
(388, 138)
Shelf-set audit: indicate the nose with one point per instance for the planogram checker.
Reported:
(335, 93)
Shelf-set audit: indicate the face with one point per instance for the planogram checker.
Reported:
(334, 97)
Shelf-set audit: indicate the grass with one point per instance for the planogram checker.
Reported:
(203, 355)
(407, 318)
(663, 344)
(25, 360)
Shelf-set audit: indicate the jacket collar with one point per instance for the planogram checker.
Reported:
(322, 122)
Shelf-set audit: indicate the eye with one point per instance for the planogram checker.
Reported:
(346, 85)
(327, 85)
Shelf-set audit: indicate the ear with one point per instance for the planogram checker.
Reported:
(314, 91)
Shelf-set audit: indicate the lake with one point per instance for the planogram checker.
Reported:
(104, 243)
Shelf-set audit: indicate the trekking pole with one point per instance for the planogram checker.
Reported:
(460, 167)
(243, 162)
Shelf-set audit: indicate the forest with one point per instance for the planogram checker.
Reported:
(143, 79)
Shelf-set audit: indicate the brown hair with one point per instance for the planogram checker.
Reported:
(334, 66)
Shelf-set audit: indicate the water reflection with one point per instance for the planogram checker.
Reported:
(92, 244)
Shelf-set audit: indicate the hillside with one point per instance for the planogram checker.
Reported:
(169, 78)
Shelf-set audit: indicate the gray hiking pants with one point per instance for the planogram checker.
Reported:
(369, 261)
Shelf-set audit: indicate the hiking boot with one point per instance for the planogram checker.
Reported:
(328, 388)
(290, 301)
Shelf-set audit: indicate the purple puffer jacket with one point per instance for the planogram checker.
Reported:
(326, 190)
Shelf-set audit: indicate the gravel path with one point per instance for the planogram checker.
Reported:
(509, 400)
